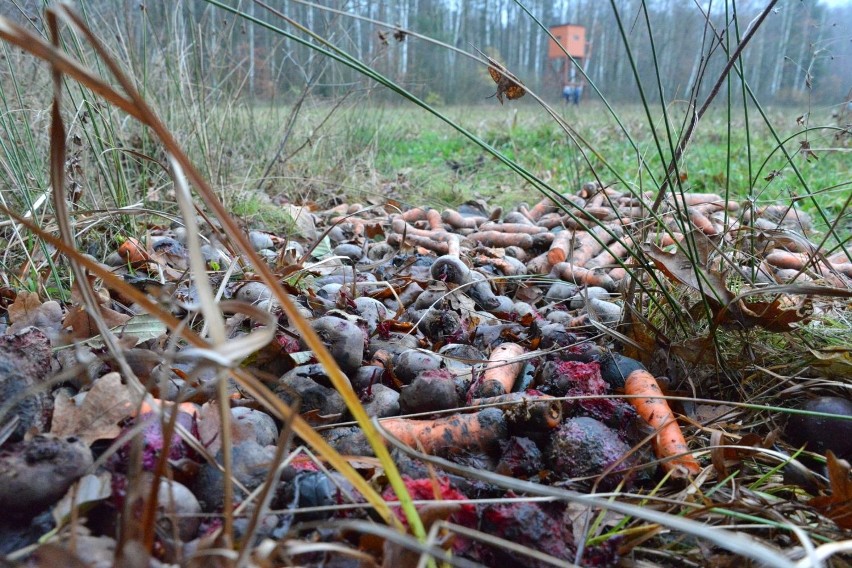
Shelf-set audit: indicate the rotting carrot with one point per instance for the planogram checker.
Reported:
(456, 220)
(539, 265)
(550, 220)
(433, 217)
(601, 213)
(579, 275)
(544, 206)
(132, 251)
(701, 222)
(587, 245)
(413, 214)
(596, 200)
(607, 257)
(839, 258)
(458, 435)
(784, 259)
(669, 443)
(617, 274)
(500, 373)
(529, 410)
(560, 246)
(400, 226)
(418, 241)
(665, 239)
(502, 240)
(512, 228)
(632, 212)
(689, 199)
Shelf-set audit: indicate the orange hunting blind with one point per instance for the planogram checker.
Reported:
(569, 36)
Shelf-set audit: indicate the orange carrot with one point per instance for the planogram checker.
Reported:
(512, 228)
(600, 212)
(433, 217)
(688, 199)
(616, 274)
(422, 242)
(458, 221)
(133, 252)
(839, 258)
(415, 214)
(586, 246)
(701, 222)
(550, 220)
(784, 259)
(147, 407)
(579, 275)
(500, 372)
(633, 212)
(502, 240)
(595, 200)
(843, 268)
(457, 435)
(400, 226)
(539, 264)
(669, 443)
(560, 246)
(665, 239)
(546, 205)
(607, 257)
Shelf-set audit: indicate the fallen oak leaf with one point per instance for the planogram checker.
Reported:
(83, 326)
(838, 505)
(780, 315)
(29, 311)
(94, 414)
(679, 267)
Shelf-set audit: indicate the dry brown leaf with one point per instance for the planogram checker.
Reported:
(835, 362)
(679, 267)
(838, 505)
(96, 415)
(81, 322)
(28, 310)
(779, 315)
(83, 326)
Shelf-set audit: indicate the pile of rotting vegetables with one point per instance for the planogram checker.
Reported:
(477, 337)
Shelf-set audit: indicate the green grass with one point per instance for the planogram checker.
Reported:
(396, 140)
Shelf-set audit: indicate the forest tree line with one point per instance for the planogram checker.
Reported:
(801, 54)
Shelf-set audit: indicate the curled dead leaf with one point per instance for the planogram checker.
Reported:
(94, 414)
(838, 505)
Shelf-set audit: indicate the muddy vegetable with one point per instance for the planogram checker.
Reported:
(820, 434)
(584, 447)
(500, 372)
(410, 363)
(430, 391)
(300, 386)
(460, 437)
(35, 473)
(344, 340)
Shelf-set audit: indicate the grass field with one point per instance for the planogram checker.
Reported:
(359, 151)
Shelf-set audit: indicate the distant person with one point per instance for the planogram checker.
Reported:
(572, 94)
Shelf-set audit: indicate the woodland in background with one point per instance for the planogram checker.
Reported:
(228, 54)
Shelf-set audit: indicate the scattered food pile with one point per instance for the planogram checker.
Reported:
(477, 337)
